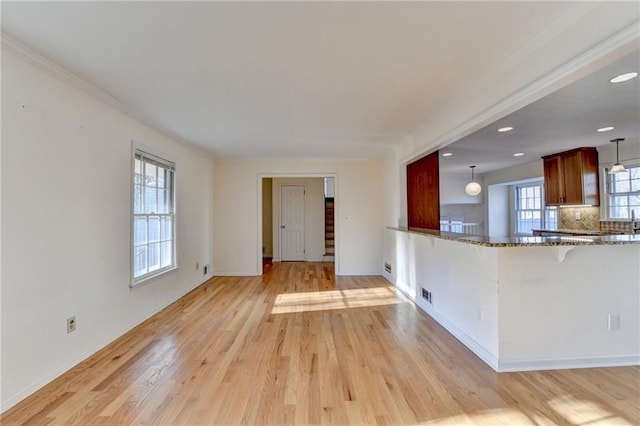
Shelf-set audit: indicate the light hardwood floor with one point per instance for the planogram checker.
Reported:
(299, 346)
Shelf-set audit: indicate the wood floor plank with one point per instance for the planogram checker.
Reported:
(300, 346)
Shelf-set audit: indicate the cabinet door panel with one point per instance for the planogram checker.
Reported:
(552, 181)
(423, 193)
(572, 172)
(590, 178)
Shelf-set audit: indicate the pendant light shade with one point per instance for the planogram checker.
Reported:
(473, 188)
(617, 168)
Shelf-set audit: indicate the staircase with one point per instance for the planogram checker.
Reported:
(329, 236)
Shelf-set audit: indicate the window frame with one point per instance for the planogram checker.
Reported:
(543, 207)
(607, 206)
(160, 159)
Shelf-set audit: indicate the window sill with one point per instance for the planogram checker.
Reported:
(151, 277)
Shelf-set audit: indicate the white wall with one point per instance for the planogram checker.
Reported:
(394, 191)
(66, 178)
(498, 209)
(452, 189)
(358, 214)
(313, 216)
(565, 316)
(525, 308)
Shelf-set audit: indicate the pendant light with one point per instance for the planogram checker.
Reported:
(473, 188)
(617, 168)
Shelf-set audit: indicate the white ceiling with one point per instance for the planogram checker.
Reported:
(565, 119)
(291, 80)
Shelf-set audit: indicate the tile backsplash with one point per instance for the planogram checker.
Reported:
(616, 226)
(589, 218)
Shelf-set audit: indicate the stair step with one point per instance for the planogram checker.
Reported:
(328, 228)
(329, 235)
(328, 258)
(329, 243)
(330, 250)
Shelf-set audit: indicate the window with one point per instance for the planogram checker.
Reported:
(153, 220)
(624, 193)
(531, 212)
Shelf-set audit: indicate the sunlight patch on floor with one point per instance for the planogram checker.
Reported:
(496, 416)
(574, 411)
(580, 412)
(335, 299)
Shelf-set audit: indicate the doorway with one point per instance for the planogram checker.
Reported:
(314, 241)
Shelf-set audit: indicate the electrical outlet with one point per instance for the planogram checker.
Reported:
(614, 322)
(578, 215)
(205, 269)
(71, 324)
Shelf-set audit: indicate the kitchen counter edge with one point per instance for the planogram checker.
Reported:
(586, 240)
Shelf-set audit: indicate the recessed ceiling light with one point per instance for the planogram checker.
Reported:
(505, 129)
(606, 129)
(447, 154)
(518, 154)
(623, 77)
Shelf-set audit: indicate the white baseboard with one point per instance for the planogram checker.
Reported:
(59, 371)
(234, 274)
(567, 363)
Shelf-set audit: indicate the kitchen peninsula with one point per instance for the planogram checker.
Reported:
(526, 303)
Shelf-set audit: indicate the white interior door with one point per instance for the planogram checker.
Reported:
(292, 222)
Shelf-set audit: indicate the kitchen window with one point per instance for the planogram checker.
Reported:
(153, 217)
(623, 193)
(531, 212)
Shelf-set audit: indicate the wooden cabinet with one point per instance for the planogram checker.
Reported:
(423, 193)
(571, 178)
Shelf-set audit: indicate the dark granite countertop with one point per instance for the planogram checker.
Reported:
(578, 232)
(581, 240)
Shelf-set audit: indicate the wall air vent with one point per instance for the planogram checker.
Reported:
(387, 267)
(426, 294)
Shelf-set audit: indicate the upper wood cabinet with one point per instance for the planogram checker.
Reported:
(423, 193)
(571, 178)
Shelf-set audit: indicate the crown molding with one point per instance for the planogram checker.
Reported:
(50, 67)
(612, 48)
